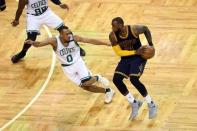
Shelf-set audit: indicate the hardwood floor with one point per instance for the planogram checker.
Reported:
(170, 77)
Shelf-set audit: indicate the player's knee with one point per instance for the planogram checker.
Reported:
(86, 82)
(117, 78)
(134, 79)
(32, 35)
(2, 8)
(138, 85)
(2, 5)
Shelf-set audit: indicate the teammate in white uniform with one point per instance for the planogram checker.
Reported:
(38, 13)
(68, 52)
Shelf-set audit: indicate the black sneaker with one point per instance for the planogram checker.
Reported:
(82, 52)
(17, 57)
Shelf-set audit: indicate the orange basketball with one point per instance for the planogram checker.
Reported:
(148, 51)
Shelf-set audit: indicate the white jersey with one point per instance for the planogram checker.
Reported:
(67, 54)
(37, 7)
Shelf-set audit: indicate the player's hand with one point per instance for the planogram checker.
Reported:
(140, 51)
(15, 23)
(108, 44)
(145, 48)
(29, 42)
(64, 6)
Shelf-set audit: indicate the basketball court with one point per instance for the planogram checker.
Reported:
(35, 95)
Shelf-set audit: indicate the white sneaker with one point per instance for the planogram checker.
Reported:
(109, 95)
(103, 80)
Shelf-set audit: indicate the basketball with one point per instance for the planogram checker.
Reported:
(147, 51)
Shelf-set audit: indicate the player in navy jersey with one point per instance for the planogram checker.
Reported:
(126, 44)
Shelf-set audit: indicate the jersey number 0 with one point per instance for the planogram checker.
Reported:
(69, 58)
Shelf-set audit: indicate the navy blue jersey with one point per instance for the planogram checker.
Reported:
(130, 42)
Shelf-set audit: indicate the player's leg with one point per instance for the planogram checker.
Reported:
(57, 23)
(121, 72)
(137, 68)
(33, 27)
(135, 104)
(89, 85)
(2, 5)
(88, 82)
(22, 53)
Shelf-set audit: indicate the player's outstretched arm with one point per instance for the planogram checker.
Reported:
(58, 2)
(21, 6)
(48, 41)
(91, 41)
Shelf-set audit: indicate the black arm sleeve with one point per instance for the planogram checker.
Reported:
(57, 2)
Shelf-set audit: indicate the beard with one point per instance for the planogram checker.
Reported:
(118, 31)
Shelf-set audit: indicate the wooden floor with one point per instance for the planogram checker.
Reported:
(171, 77)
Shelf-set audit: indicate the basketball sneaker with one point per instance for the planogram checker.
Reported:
(152, 110)
(109, 96)
(18, 57)
(135, 108)
(103, 80)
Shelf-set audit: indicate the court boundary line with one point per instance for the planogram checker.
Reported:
(40, 91)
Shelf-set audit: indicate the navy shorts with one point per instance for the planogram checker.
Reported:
(131, 66)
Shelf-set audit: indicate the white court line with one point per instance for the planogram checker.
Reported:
(40, 91)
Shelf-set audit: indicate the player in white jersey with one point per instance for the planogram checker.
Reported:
(38, 13)
(68, 52)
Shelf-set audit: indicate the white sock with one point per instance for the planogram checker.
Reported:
(148, 99)
(130, 97)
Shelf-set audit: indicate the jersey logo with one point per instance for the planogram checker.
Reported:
(38, 4)
(127, 44)
(66, 51)
(40, 7)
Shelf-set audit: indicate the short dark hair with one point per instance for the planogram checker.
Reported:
(66, 28)
(119, 20)
(62, 27)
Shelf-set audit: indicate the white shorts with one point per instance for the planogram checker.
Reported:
(47, 18)
(77, 72)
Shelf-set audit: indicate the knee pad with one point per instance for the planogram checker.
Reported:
(117, 78)
(134, 79)
(2, 8)
(32, 35)
(138, 85)
(2, 5)
(118, 82)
